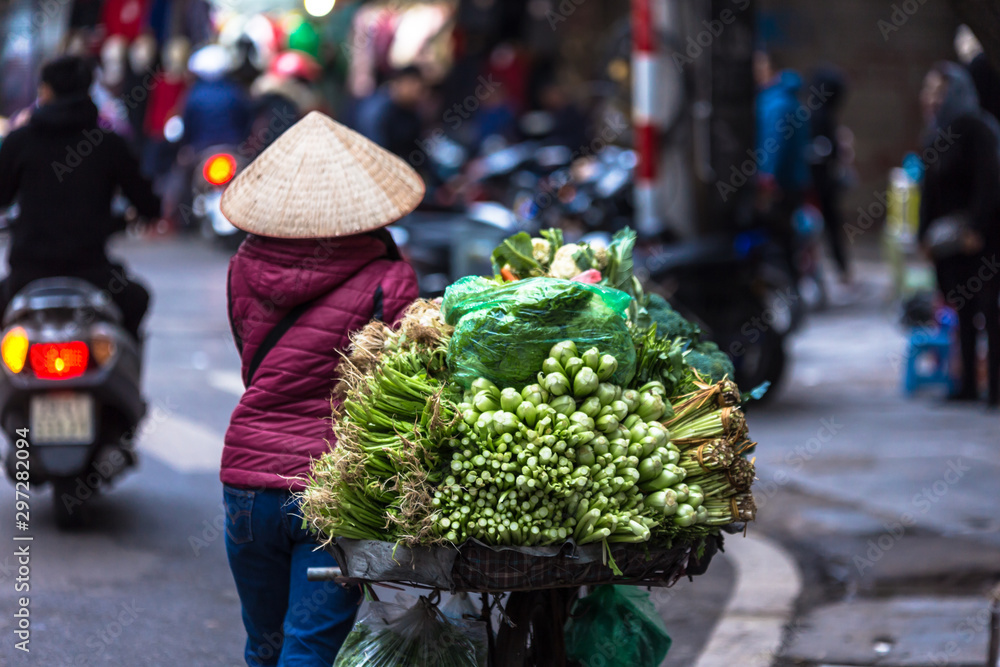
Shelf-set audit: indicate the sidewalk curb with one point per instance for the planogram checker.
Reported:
(750, 630)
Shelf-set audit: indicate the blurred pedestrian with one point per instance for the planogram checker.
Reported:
(984, 74)
(247, 62)
(315, 205)
(396, 123)
(217, 110)
(108, 90)
(960, 214)
(166, 101)
(782, 144)
(280, 97)
(63, 170)
(125, 19)
(495, 120)
(216, 114)
(141, 78)
(825, 158)
(569, 127)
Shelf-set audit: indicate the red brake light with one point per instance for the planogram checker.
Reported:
(219, 169)
(59, 361)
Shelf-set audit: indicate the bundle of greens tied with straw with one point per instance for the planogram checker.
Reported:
(391, 416)
(710, 430)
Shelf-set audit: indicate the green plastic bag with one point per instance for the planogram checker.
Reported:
(503, 332)
(616, 626)
(393, 636)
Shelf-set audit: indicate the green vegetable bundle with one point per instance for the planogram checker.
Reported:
(710, 431)
(572, 456)
(393, 417)
(536, 410)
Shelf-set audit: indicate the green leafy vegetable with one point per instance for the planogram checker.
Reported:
(669, 323)
(585, 257)
(618, 273)
(516, 252)
(662, 359)
(555, 238)
(710, 361)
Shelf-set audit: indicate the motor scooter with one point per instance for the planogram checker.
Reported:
(741, 301)
(215, 169)
(70, 392)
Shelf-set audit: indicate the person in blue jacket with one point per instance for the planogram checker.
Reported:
(783, 136)
(217, 111)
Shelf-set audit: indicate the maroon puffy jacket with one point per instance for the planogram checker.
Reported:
(283, 419)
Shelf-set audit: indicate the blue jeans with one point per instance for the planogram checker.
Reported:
(290, 622)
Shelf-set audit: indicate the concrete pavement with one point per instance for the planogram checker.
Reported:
(879, 496)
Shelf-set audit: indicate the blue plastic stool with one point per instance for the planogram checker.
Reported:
(934, 343)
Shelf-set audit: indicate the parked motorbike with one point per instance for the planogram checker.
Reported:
(445, 245)
(594, 193)
(742, 302)
(70, 396)
(453, 232)
(215, 169)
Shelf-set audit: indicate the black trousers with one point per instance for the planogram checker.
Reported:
(971, 285)
(131, 297)
(828, 192)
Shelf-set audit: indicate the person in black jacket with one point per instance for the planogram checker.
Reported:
(825, 161)
(987, 81)
(63, 170)
(963, 178)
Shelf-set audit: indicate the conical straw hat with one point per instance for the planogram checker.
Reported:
(320, 179)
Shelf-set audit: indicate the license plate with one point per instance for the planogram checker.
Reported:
(62, 419)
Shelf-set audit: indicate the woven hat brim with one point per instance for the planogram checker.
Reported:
(320, 179)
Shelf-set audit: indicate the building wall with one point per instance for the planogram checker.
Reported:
(885, 48)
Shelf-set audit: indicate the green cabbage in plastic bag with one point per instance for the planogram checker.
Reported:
(392, 636)
(616, 626)
(503, 332)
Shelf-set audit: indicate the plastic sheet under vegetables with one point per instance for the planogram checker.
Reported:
(504, 332)
(617, 626)
(393, 636)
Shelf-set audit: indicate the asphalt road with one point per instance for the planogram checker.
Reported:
(146, 582)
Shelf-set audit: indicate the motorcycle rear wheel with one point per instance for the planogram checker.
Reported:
(68, 509)
(762, 361)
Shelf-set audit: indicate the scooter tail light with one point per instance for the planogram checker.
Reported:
(219, 169)
(59, 361)
(14, 349)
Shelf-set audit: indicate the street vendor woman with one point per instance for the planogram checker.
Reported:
(317, 265)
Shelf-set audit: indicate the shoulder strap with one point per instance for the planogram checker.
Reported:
(286, 322)
(229, 306)
(273, 336)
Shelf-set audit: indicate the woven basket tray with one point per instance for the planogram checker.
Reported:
(478, 567)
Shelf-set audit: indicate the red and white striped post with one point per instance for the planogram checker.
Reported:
(644, 72)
